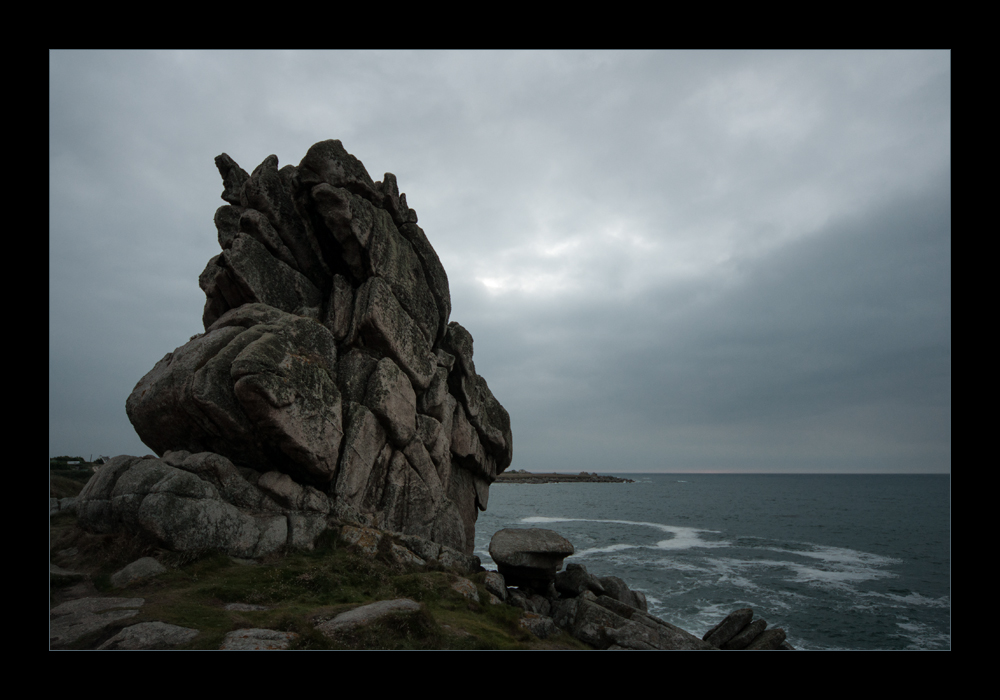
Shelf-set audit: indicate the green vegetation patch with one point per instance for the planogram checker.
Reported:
(300, 589)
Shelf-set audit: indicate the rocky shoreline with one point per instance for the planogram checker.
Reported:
(602, 612)
(326, 440)
(523, 477)
(557, 608)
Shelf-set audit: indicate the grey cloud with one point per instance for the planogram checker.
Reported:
(778, 293)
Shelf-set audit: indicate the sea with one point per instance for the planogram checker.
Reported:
(839, 561)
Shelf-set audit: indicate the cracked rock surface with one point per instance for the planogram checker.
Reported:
(329, 379)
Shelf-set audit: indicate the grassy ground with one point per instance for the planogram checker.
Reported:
(300, 588)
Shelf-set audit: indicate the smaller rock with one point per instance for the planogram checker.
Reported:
(59, 575)
(746, 635)
(366, 615)
(150, 635)
(768, 639)
(304, 528)
(291, 494)
(390, 396)
(57, 505)
(422, 547)
(405, 557)
(539, 625)
(575, 580)
(364, 538)
(256, 639)
(730, 625)
(540, 603)
(76, 618)
(586, 620)
(139, 569)
(495, 584)
(516, 598)
(466, 588)
(604, 622)
(619, 590)
(459, 562)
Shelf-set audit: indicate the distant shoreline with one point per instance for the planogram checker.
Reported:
(522, 477)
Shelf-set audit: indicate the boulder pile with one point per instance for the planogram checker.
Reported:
(601, 611)
(529, 557)
(738, 630)
(329, 381)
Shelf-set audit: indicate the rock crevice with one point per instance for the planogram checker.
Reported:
(601, 611)
(328, 357)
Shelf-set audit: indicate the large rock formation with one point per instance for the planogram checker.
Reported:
(328, 358)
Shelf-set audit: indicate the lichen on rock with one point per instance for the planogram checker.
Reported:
(328, 356)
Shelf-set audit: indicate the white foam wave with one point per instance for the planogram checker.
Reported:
(675, 564)
(912, 599)
(838, 567)
(837, 578)
(923, 636)
(682, 537)
(841, 574)
(606, 550)
(847, 557)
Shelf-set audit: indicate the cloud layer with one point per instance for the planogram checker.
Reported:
(669, 261)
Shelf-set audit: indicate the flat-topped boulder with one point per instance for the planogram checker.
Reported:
(529, 557)
(602, 611)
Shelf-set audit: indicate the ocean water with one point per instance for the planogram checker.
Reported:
(840, 561)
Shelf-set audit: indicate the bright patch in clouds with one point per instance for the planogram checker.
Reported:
(623, 258)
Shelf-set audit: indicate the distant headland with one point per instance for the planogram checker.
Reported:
(519, 476)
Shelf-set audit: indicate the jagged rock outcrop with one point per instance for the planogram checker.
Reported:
(602, 611)
(738, 630)
(175, 502)
(605, 623)
(328, 357)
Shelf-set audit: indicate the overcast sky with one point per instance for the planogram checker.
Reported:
(669, 261)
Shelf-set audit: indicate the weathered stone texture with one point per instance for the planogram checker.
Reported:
(328, 357)
(730, 625)
(366, 615)
(529, 557)
(76, 618)
(602, 612)
(150, 635)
